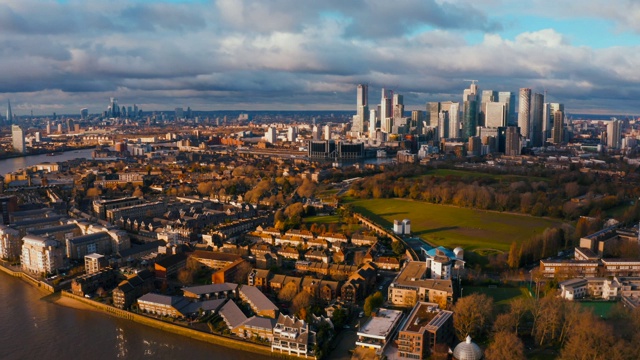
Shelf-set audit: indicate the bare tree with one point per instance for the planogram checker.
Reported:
(505, 346)
(472, 315)
(288, 292)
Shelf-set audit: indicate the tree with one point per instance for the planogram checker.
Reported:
(372, 302)
(138, 192)
(397, 248)
(591, 338)
(514, 256)
(339, 318)
(472, 315)
(288, 292)
(505, 346)
(185, 276)
(300, 302)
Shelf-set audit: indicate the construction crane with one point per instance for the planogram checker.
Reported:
(473, 82)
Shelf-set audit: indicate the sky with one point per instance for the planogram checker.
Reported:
(64, 55)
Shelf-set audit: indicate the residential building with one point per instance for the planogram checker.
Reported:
(214, 259)
(259, 278)
(129, 290)
(101, 206)
(211, 291)
(598, 288)
(379, 330)
(41, 255)
(412, 284)
(17, 137)
(524, 112)
(170, 265)
(259, 303)
(90, 283)
(94, 263)
(80, 246)
(293, 336)
(426, 327)
(10, 243)
(234, 272)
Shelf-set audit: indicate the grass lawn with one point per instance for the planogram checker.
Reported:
(600, 308)
(473, 230)
(500, 295)
(328, 219)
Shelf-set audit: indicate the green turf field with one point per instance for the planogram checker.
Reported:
(477, 230)
(500, 295)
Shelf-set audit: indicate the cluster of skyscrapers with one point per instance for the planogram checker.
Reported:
(480, 114)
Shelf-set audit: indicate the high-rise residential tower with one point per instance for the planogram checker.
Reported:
(614, 134)
(454, 120)
(558, 126)
(398, 106)
(523, 111)
(386, 110)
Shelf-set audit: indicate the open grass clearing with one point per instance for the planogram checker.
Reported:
(452, 226)
(500, 295)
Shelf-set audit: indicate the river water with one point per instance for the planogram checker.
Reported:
(33, 328)
(15, 164)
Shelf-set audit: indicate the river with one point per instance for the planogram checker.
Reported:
(17, 163)
(33, 328)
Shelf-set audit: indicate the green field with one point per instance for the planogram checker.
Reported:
(477, 230)
(329, 219)
(599, 308)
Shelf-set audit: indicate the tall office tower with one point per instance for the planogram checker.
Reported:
(123, 111)
(496, 115)
(179, 113)
(509, 98)
(523, 111)
(115, 110)
(373, 123)
(135, 110)
(60, 128)
(71, 126)
(84, 113)
(547, 122)
(326, 132)
(386, 125)
(558, 126)
(17, 136)
(488, 96)
(38, 136)
(315, 134)
(398, 106)
(470, 111)
(417, 118)
(536, 121)
(512, 145)
(9, 113)
(443, 125)
(433, 109)
(550, 110)
(614, 134)
(271, 135)
(386, 109)
(362, 108)
(292, 134)
(48, 127)
(454, 120)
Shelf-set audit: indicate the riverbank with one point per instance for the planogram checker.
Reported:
(44, 152)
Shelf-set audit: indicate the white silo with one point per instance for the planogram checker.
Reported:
(406, 223)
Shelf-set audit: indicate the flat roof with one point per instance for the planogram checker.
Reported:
(89, 238)
(381, 325)
(420, 316)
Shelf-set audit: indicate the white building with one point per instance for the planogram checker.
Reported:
(293, 336)
(17, 136)
(379, 330)
(10, 243)
(292, 134)
(271, 136)
(41, 255)
(599, 288)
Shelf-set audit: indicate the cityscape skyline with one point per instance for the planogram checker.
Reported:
(62, 56)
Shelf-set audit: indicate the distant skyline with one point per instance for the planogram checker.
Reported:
(64, 55)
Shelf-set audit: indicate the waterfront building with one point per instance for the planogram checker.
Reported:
(362, 109)
(17, 137)
(293, 336)
(129, 290)
(258, 302)
(90, 283)
(41, 255)
(10, 243)
(426, 327)
(169, 266)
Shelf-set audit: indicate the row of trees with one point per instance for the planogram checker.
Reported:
(547, 323)
(544, 197)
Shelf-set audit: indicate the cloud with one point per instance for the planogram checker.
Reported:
(255, 54)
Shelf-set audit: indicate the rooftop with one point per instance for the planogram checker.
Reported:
(257, 298)
(89, 238)
(420, 316)
(382, 324)
(211, 288)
